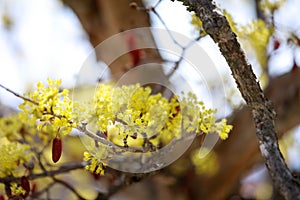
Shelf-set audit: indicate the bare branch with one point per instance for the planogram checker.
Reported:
(106, 142)
(18, 95)
(63, 169)
(67, 185)
(35, 195)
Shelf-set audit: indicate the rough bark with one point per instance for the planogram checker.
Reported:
(218, 28)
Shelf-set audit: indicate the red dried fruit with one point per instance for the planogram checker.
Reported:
(134, 51)
(178, 109)
(56, 149)
(25, 185)
(276, 44)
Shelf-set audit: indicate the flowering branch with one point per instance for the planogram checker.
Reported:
(108, 143)
(217, 26)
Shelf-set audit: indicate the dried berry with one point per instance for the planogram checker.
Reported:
(276, 44)
(56, 149)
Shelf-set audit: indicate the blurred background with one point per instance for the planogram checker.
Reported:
(52, 38)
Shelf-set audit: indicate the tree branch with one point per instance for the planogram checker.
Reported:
(67, 185)
(18, 95)
(284, 92)
(217, 26)
(63, 169)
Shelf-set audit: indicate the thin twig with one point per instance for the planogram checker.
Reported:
(63, 169)
(167, 29)
(39, 193)
(67, 185)
(18, 95)
(125, 181)
(157, 3)
(109, 144)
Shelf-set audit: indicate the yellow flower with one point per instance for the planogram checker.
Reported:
(53, 109)
(16, 190)
(131, 115)
(95, 165)
(12, 154)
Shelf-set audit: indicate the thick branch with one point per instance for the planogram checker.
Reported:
(263, 113)
(284, 91)
(102, 19)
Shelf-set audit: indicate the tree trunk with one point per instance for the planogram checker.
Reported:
(102, 19)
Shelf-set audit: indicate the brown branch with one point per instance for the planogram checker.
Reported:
(259, 12)
(67, 185)
(35, 195)
(117, 148)
(263, 112)
(240, 152)
(125, 181)
(63, 169)
(18, 95)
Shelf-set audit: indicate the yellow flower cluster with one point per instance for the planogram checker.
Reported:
(94, 166)
(132, 116)
(51, 108)
(258, 35)
(13, 154)
(132, 112)
(16, 190)
(10, 127)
